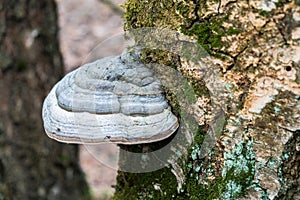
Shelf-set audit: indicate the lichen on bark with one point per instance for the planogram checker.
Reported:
(255, 47)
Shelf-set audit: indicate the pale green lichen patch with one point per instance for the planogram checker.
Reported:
(269, 151)
(238, 170)
(269, 111)
(204, 179)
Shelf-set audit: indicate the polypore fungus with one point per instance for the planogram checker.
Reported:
(114, 99)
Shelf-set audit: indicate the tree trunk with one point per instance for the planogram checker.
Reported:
(254, 47)
(32, 166)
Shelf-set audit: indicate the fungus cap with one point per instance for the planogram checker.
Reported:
(115, 99)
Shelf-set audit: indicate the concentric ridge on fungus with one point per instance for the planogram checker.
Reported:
(114, 99)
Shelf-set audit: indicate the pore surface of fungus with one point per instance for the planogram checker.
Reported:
(115, 99)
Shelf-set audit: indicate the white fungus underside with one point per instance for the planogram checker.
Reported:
(85, 127)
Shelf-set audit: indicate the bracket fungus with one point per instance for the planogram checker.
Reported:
(115, 99)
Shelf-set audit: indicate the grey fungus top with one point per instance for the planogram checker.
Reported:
(115, 99)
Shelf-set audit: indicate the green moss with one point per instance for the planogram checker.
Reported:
(182, 8)
(263, 13)
(199, 88)
(209, 33)
(149, 13)
(202, 31)
(160, 56)
(194, 190)
(232, 31)
(153, 13)
(172, 100)
(160, 184)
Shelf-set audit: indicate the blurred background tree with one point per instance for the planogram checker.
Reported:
(31, 165)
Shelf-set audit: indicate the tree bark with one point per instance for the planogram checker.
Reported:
(254, 45)
(32, 166)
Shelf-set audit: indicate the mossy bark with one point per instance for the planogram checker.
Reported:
(32, 166)
(255, 47)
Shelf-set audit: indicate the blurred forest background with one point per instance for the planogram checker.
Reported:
(83, 26)
(40, 41)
